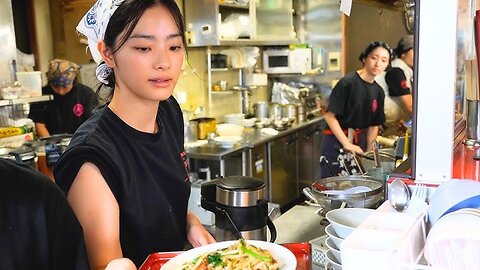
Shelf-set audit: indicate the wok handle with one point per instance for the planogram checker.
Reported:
(308, 192)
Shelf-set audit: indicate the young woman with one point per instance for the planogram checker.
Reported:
(398, 82)
(355, 107)
(125, 171)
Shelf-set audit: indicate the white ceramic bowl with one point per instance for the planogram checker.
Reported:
(333, 261)
(335, 250)
(333, 236)
(345, 220)
(229, 130)
(453, 195)
(227, 141)
(454, 241)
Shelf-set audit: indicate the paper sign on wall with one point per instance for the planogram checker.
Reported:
(346, 7)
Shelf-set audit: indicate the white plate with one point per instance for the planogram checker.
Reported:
(227, 141)
(285, 258)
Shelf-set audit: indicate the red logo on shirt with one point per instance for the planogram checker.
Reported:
(403, 84)
(374, 105)
(183, 155)
(78, 109)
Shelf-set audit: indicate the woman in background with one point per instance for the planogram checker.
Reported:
(125, 170)
(355, 110)
(72, 102)
(397, 83)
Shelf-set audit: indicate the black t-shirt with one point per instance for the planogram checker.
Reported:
(397, 82)
(38, 229)
(64, 114)
(147, 173)
(357, 103)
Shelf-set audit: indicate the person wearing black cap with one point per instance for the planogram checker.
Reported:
(72, 102)
(355, 110)
(397, 83)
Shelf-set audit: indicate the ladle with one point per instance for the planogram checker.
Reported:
(353, 190)
(398, 195)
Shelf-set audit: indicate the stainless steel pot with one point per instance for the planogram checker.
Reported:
(261, 110)
(289, 111)
(190, 131)
(369, 199)
(275, 111)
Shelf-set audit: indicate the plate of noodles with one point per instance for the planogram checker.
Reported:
(233, 255)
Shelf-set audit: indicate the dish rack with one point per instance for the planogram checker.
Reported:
(319, 250)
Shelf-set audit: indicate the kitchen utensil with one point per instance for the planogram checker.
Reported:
(376, 155)
(190, 130)
(362, 199)
(243, 199)
(398, 195)
(359, 163)
(324, 159)
(387, 159)
(352, 190)
(308, 193)
(417, 202)
(405, 147)
(261, 110)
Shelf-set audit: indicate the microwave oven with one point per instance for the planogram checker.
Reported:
(287, 61)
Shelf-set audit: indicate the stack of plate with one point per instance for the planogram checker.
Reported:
(454, 241)
(234, 118)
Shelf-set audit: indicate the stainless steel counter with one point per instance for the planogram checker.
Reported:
(251, 137)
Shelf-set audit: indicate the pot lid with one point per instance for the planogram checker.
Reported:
(240, 183)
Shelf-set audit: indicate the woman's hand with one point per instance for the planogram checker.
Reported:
(353, 148)
(121, 264)
(197, 235)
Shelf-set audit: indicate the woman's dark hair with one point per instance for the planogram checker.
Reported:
(372, 46)
(124, 20)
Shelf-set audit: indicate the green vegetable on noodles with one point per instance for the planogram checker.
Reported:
(254, 254)
(215, 259)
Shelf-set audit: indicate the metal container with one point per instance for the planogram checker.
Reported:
(473, 120)
(190, 130)
(204, 126)
(261, 110)
(240, 208)
(289, 111)
(275, 111)
(369, 199)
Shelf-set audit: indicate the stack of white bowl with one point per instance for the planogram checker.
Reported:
(454, 238)
(342, 223)
(234, 118)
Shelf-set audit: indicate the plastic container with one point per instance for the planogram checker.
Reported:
(31, 82)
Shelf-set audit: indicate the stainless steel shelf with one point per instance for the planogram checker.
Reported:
(7, 102)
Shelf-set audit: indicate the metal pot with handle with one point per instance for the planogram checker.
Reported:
(328, 195)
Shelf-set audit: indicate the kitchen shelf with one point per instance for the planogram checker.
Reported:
(236, 6)
(8, 102)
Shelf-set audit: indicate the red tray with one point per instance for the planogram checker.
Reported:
(301, 251)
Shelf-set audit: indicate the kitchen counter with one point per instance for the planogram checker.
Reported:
(299, 224)
(251, 137)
